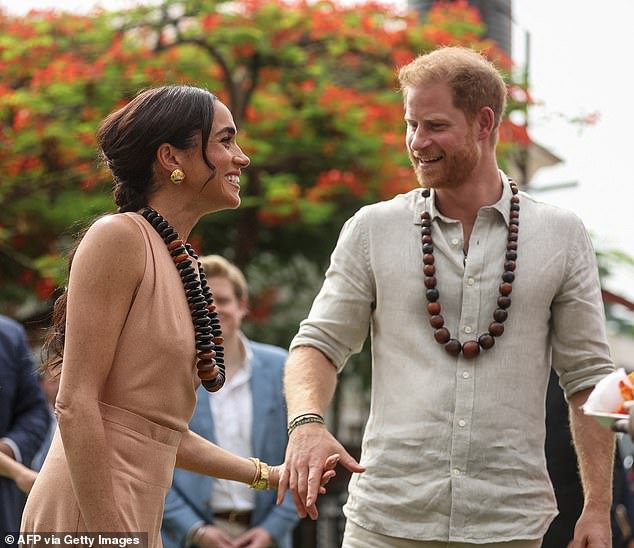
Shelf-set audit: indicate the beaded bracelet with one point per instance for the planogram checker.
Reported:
(305, 418)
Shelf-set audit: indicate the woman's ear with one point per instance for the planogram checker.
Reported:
(167, 157)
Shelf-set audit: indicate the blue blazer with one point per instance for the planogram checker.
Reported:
(189, 499)
(23, 414)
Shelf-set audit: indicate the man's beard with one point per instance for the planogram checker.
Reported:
(455, 168)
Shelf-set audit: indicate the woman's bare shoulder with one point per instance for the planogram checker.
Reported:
(111, 243)
(117, 232)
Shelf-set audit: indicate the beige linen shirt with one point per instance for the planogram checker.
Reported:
(454, 448)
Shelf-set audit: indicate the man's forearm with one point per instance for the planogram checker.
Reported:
(310, 380)
(5, 448)
(595, 452)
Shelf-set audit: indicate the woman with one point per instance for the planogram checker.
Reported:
(140, 328)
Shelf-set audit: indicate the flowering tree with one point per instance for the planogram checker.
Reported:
(312, 87)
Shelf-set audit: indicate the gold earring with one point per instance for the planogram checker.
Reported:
(177, 176)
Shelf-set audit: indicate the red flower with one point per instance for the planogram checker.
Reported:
(25, 278)
(44, 288)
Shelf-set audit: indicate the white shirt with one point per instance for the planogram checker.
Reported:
(454, 448)
(232, 411)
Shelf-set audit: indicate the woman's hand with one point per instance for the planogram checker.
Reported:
(275, 472)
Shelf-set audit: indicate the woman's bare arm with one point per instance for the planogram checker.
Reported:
(106, 271)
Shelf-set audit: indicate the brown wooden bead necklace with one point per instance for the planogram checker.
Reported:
(470, 349)
(210, 361)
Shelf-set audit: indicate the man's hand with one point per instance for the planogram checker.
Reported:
(214, 537)
(278, 472)
(258, 537)
(593, 530)
(310, 454)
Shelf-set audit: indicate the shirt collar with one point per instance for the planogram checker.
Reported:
(243, 374)
(502, 205)
(246, 347)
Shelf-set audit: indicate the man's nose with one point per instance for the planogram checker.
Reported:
(420, 140)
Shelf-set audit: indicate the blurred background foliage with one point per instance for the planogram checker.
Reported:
(312, 88)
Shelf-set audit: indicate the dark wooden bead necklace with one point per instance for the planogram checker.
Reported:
(470, 349)
(210, 361)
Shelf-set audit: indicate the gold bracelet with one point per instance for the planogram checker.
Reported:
(261, 479)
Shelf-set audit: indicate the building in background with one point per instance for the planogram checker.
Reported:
(495, 14)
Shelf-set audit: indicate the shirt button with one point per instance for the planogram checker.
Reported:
(456, 471)
(470, 281)
(465, 374)
(462, 422)
(467, 329)
(455, 241)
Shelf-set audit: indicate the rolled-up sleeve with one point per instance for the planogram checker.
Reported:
(581, 354)
(339, 318)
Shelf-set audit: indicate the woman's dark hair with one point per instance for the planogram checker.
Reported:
(128, 139)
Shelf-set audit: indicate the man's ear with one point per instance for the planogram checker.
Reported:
(485, 120)
(243, 306)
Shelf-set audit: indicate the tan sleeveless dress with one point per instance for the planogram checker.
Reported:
(146, 403)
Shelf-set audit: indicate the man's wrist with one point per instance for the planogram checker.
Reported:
(10, 448)
(194, 533)
(305, 418)
(598, 506)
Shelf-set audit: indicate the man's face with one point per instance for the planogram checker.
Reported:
(230, 309)
(440, 140)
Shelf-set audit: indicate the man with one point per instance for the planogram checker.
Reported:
(453, 449)
(248, 417)
(23, 417)
(561, 462)
(563, 471)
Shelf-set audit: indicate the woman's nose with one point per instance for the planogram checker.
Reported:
(242, 160)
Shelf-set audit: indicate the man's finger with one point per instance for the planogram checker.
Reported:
(299, 503)
(302, 483)
(350, 463)
(312, 512)
(314, 482)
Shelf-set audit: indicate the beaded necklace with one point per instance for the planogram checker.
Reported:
(470, 349)
(209, 349)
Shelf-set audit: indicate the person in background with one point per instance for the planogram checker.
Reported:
(472, 291)
(23, 476)
(563, 470)
(247, 417)
(23, 421)
(50, 386)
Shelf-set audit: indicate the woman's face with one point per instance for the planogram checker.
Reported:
(219, 189)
